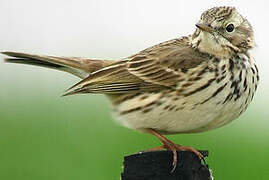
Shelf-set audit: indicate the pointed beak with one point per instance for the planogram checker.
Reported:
(204, 27)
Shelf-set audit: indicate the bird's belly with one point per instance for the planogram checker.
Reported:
(180, 117)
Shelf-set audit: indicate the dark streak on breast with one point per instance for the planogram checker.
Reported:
(252, 69)
(215, 93)
(201, 87)
(228, 98)
(220, 79)
(203, 71)
(231, 65)
(130, 110)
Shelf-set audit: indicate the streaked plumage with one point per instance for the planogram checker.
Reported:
(189, 84)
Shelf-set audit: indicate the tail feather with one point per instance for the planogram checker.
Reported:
(77, 66)
(32, 62)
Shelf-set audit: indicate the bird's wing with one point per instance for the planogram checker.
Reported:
(113, 79)
(165, 63)
(155, 68)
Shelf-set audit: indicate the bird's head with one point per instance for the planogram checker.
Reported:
(222, 31)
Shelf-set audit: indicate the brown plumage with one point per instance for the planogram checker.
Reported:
(80, 67)
(155, 68)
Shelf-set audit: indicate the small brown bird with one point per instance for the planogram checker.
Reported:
(186, 85)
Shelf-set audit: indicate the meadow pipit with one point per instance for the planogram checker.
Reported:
(186, 85)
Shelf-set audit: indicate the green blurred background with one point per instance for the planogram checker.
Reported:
(47, 137)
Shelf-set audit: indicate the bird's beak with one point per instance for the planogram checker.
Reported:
(204, 27)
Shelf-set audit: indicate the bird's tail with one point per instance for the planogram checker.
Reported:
(80, 67)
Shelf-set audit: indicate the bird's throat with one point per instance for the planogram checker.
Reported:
(208, 43)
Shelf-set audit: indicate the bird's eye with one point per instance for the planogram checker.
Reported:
(230, 28)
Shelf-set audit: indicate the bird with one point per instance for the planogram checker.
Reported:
(190, 84)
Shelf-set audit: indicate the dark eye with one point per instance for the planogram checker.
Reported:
(230, 28)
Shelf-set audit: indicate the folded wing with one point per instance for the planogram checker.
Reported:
(156, 68)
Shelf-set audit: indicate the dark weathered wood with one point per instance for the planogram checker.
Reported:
(158, 165)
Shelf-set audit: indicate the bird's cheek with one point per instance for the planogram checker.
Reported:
(238, 41)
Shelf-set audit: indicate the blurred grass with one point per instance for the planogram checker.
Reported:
(44, 136)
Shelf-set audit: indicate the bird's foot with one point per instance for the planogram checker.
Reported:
(176, 147)
(169, 145)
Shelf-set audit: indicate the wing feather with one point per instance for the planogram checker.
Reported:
(164, 64)
(156, 68)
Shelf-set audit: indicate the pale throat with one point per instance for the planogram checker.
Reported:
(212, 44)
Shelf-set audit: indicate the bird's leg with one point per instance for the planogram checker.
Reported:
(169, 145)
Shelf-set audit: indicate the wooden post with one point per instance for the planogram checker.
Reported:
(158, 165)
